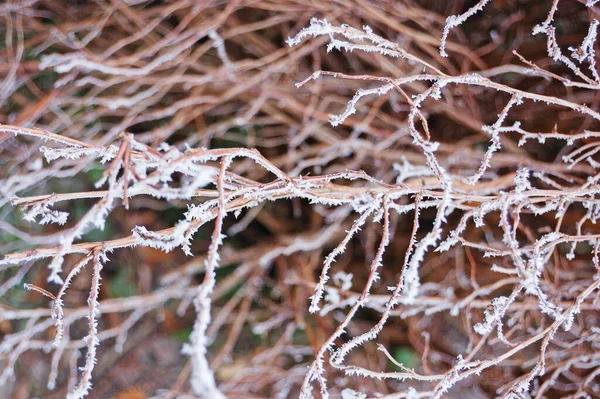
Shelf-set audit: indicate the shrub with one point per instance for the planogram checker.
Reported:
(435, 233)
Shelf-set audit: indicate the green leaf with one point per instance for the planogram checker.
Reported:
(406, 356)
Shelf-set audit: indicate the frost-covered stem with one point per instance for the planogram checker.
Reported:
(455, 20)
(203, 155)
(44, 135)
(338, 357)
(493, 131)
(565, 319)
(412, 279)
(358, 223)
(56, 356)
(96, 215)
(377, 43)
(85, 383)
(57, 308)
(316, 369)
(393, 301)
(202, 378)
(586, 51)
(554, 51)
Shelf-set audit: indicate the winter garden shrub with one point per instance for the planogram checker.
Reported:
(325, 199)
